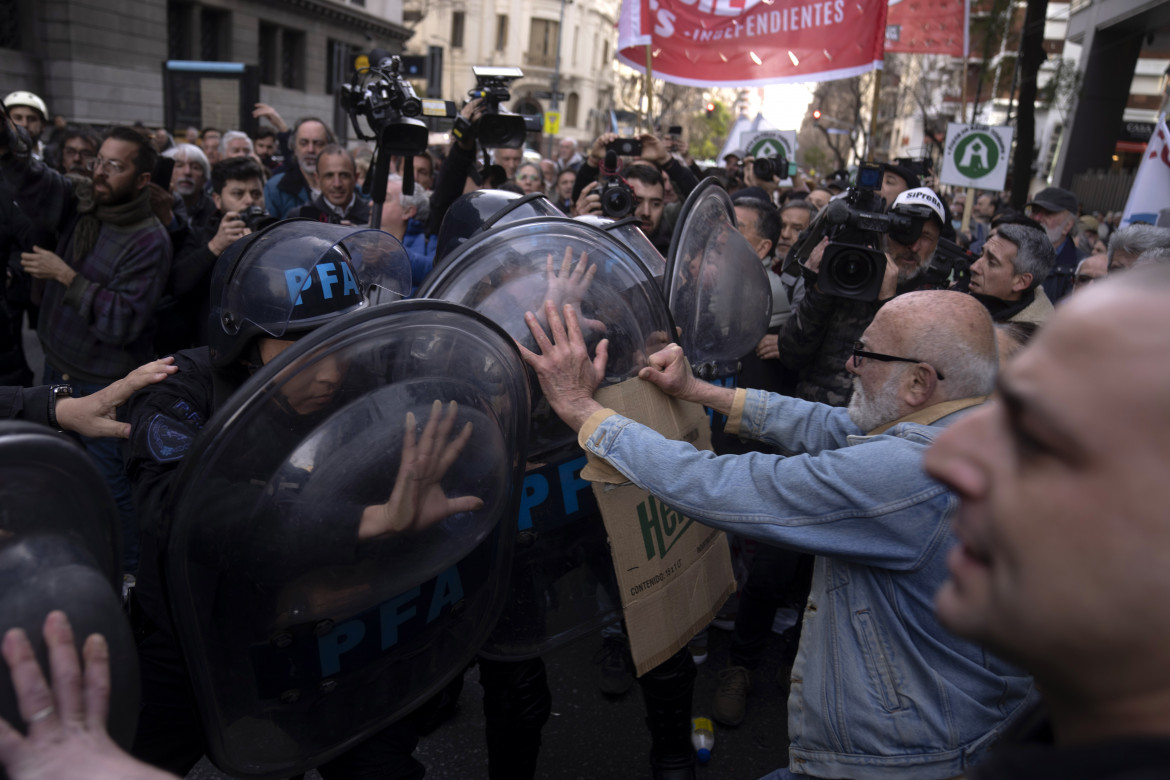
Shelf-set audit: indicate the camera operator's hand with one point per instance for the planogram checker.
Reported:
(653, 150)
(889, 281)
(589, 202)
(265, 111)
(597, 151)
(814, 258)
(470, 114)
(750, 180)
(231, 228)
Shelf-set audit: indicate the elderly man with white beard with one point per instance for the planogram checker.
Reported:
(189, 181)
(879, 688)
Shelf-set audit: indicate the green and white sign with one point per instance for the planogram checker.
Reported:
(976, 156)
(770, 143)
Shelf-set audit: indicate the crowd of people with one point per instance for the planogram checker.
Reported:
(953, 524)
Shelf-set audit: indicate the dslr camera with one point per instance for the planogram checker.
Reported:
(774, 167)
(256, 218)
(854, 264)
(617, 198)
(498, 127)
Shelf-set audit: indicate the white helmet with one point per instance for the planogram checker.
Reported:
(29, 100)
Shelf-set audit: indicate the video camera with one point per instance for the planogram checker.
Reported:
(617, 198)
(379, 92)
(951, 265)
(496, 127)
(854, 264)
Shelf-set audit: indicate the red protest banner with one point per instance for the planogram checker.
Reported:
(735, 43)
(927, 27)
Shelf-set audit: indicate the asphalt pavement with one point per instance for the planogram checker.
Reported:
(592, 737)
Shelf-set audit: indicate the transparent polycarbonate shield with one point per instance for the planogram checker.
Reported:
(514, 268)
(60, 549)
(629, 232)
(563, 585)
(318, 271)
(716, 286)
(342, 531)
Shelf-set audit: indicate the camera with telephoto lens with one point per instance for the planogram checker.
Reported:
(774, 167)
(617, 198)
(497, 128)
(256, 218)
(379, 91)
(854, 265)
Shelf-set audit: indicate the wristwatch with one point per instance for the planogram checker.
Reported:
(57, 392)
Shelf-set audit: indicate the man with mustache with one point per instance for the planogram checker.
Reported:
(189, 181)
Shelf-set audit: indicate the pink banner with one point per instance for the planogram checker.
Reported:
(927, 27)
(735, 43)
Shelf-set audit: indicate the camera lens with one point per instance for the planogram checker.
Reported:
(852, 270)
(763, 169)
(616, 201)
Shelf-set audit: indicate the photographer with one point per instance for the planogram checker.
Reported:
(823, 328)
(654, 153)
(237, 185)
(459, 164)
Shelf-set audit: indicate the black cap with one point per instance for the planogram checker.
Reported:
(1055, 199)
(910, 177)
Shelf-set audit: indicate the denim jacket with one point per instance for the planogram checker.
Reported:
(879, 688)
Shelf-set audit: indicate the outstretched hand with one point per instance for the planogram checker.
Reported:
(417, 501)
(67, 734)
(568, 284)
(95, 415)
(567, 375)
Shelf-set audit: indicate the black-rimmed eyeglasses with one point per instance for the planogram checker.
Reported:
(859, 354)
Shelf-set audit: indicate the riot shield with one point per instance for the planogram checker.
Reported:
(563, 584)
(716, 286)
(341, 532)
(629, 232)
(59, 549)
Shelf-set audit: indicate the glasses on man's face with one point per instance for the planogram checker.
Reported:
(859, 354)
(111, 167)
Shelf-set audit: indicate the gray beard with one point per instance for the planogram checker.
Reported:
(869, 413)
(1055, 235)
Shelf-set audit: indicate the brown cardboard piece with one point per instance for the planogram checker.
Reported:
(673, 572)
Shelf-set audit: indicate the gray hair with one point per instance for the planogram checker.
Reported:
(192, 154)
(572, 141)
(1034, 252)
(1159, 255)
(963, 351)
(1136, 240)
(419, 200)
(230, 136)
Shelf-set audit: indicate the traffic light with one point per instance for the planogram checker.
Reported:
(710, 109)
(817, 115)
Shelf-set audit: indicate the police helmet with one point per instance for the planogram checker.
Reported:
(294, 276)
(478, 211)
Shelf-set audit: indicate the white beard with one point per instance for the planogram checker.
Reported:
(868, 413)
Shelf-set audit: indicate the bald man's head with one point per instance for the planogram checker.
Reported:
(951, 331)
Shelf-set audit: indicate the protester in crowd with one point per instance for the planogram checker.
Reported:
(27, 110)
(529, 178)
(819, 197)
(548, 172)
(405, 218)
(981, 213)
(1128, 243)
(424, 169)
(732, 161)
(237, 184)
(568, 158)
(93, 415)
(1056, 211)
(1159, 255)
(821, 333)
(1091, 269)
(235, 143)
(264, 145)
(1007, 278)
(896, 179)
(103, 281)
(562, 193)
(878, 686)
(509, 160)
(339, 202)
(1062, 532)
(209, 141)
(79, 146)
(295, 187)
(189, 181)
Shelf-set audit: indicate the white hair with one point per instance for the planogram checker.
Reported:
(192, 154)
(418, 200)
(230, 136)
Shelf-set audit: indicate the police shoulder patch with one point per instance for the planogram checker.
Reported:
(168, 439)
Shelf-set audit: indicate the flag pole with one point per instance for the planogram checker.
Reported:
(648, 89)
(877, 88)
(969, 201)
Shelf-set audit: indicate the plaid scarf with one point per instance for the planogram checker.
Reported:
(89, 225)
